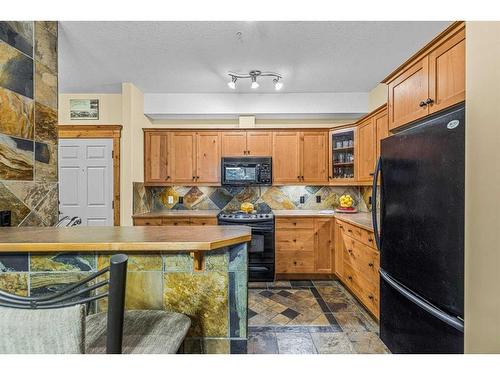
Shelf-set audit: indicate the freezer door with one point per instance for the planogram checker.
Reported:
(422, 208)
(409, 325)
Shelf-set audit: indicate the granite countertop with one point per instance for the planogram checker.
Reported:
(362, 219)
(138, 239)
(178, 213)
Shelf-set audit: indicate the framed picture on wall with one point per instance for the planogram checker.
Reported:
(84, 109)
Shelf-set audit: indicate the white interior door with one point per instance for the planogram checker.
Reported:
(86, 180)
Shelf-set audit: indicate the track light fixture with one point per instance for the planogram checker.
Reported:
(278, 84)
(232, 84)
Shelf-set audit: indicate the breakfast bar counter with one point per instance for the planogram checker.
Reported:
(201, 272)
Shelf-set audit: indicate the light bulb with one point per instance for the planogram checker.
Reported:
(255, 84)
(232, 84)
(277, 84)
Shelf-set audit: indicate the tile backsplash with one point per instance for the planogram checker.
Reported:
(265, 198)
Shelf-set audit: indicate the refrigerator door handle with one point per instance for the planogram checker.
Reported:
(374, 203)
(434, 311)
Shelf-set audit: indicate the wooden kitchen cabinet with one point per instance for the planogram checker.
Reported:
(314, 157)
(381, 130)
(304, 246)
(433, 79)
(247, 143)
(183, 157)
(208, 157)
(447, 72)
(234, 143)
(355, 248)
(367, 143)
(300, 157)
(174, 221)
(286, 157)
(324, 248)
(259, 143)
(156, 166)
(338, 250)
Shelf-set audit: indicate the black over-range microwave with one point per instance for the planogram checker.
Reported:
(241, 171)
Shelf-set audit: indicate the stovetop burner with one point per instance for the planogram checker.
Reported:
(241, 215)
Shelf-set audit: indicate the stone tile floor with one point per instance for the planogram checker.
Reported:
(309, 317)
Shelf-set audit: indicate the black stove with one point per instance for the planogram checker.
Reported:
(244, 217)
(261, 250)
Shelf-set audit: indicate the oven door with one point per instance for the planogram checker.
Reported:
(240, 174)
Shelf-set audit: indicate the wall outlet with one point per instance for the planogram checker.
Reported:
(302, 199)
(318, 198)
(170, 199)
(5, 218)
(181, 200)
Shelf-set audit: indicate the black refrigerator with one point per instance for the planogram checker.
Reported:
(421, 241)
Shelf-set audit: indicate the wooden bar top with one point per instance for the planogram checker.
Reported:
(140, 239)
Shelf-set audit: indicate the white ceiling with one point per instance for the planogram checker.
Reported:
(194, 57)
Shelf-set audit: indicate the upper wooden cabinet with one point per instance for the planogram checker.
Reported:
(208, 157)
(381, 129)
(286, 157)
(247, 143)
(259, 143)
(447, 72)
(156, 166)
(431, 80)
(181, 157)
(314, 157)
(367, 145)
(300, 157)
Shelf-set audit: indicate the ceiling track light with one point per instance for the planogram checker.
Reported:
(252, 75)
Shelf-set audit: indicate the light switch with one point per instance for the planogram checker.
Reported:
(170, 199)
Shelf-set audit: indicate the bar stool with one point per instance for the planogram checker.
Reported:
(57, 323)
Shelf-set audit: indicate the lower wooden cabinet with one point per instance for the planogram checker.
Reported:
(179, 221)
(360, 264)
(304, 245)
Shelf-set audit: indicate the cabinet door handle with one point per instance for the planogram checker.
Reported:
(298, 177)
(370, 264)
(194, 177)
(294, 263)
(248, 152)
(372, 173)
(349, 230)
(370, 297)
(294, 240)
(429, 101)
(197, 177)
(349, 251)
(349, 277)
(422, 104)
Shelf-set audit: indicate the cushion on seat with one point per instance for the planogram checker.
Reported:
(144, 332)
(52, 331)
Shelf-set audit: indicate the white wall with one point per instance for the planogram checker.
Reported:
(482, 189)
(334, 104)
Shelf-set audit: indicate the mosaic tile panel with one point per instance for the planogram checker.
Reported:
(50, 282)
(136, 262)
(15, 283)
(16, 71)
(265, 199)
(9, 201)
(46, 86)
(45, 47)
(16, 114)
(46, 123)
(16, 158)
(203, 297)
(19, 34)
(63, 262)
(45, 162)
(13, 262)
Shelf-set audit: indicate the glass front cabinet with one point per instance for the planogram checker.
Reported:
(343, 155)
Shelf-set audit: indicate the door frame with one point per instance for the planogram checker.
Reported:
(100, 131)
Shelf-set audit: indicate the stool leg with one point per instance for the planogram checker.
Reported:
(116, 303)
